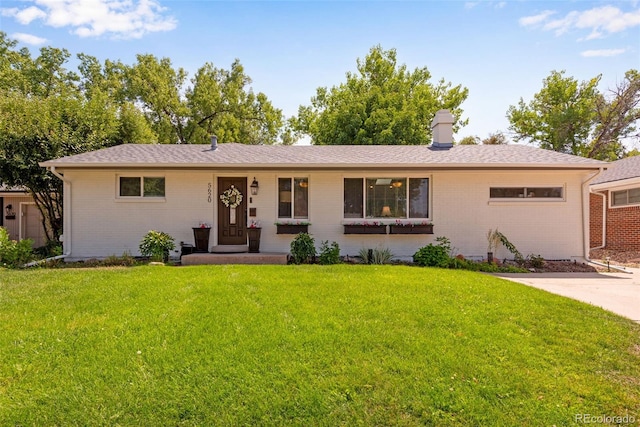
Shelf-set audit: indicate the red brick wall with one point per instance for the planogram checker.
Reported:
(623, 226)
(595, 220)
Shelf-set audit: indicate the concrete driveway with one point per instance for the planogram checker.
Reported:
(617, 292)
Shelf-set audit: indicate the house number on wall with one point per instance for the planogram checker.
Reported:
(209, 192)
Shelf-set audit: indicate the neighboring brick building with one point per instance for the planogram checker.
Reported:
(615, 207)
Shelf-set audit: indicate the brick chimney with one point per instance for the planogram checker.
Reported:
(442, 130)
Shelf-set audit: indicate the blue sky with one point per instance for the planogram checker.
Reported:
(500, 51)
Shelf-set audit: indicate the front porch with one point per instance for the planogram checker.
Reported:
(234, 258)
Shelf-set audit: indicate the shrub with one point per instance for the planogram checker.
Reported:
(432, 256)
(50, 249)
(303, 248)
(329, 254)
(376, 256)
(156, 245)
(14, 254)
(125, 260)
(536, 261)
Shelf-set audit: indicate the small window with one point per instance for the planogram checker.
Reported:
(141, 186)
(525, 192)
(626, 197)
(293, 198)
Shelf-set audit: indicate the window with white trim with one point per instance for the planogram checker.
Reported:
(293, 198)
(625, 197)
(141, 186)
(526, 192)
(386, 197)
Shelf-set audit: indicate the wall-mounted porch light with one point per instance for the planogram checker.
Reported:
(254, 187)
(9, 213)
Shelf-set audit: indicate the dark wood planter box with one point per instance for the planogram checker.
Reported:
(365, 229)
(411, 229)
(201, 237)
(292, 228)
(254, 239)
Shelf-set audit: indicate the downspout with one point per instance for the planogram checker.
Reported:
(66, 224)
(66, 244)
(585, 223)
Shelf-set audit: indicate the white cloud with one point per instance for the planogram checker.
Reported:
(24, 16)
(496, 5)
(28, 39)
(602, 53)
(94, 18)
(599, 21)
(529, 21)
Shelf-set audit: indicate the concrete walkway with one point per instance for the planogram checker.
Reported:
(617, 292)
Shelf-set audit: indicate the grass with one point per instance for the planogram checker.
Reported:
(305, 345)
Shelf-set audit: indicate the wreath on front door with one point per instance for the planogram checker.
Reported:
(231, 197)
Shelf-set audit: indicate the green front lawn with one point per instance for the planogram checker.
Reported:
(305, 345)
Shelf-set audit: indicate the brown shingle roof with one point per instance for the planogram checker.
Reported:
(232, 155)
(627, 168)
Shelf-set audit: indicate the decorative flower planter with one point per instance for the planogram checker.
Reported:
(411, 229)
(254, 239)
(292, 228)
(364, 229)
(201, 237)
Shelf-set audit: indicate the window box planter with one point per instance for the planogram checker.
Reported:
(411, 229)
(364, 229)
(292, 228)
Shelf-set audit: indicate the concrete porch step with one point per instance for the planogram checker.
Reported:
(234, 258)
(229, 249)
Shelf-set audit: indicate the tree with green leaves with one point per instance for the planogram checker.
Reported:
(469, 140)
(47, 112)
(497, 138)
(574, 117)
(383, 103)
(217, 101)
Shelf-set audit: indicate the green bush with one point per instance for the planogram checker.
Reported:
(50, 249)
(303, 248)
(157, 245)
(329, 254)
(14, 254)
(536, 261)
(376, 256)
(432, 256)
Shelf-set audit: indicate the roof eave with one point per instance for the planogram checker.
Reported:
(457, 166)
(616, 183)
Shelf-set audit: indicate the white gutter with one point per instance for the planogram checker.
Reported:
(585, 223)
(66, 216)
